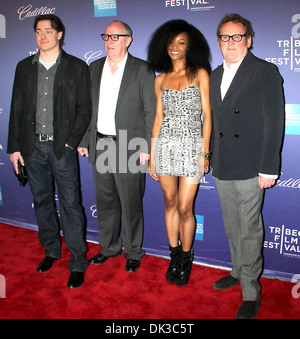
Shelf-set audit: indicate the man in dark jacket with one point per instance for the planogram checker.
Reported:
(247, 101)
(50, 112)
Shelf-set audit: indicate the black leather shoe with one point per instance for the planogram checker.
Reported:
(132, 265)
(226, 282)
(248, 310)
(76, 279)
(98, 259)
(45, 264)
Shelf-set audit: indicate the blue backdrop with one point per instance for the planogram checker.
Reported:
(277, 40)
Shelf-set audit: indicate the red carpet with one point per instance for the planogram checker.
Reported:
(110, 292)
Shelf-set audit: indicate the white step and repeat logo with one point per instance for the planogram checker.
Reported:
(104, 8)
(289, 48)
(28, 11)
(2, 27)
(285, 240)
(289, 58)
(191, 5)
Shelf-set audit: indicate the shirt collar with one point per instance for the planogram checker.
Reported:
(121, 64)
(36, 58)
(234, 67)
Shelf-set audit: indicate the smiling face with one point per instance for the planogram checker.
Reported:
(47, 38)
(178, 47)
(234, 51)
(116, 50)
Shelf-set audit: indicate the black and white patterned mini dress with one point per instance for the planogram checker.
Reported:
(180, 137)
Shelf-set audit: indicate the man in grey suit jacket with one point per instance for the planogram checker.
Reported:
(247, 103)
(117, 143)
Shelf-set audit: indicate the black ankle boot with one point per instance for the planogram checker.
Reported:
(172, 271)
(185, 267)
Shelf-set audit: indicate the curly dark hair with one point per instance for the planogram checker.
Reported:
(198, 54)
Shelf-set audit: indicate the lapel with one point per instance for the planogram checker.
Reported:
(32, 85)
(217, 89)
(60, 73)
(126, 80)
(239, 78)
(96, 80)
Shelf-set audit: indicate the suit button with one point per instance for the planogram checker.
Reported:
(236, 135)
(221, 134)
(236, 111)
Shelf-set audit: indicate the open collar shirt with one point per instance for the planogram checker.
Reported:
(109, 92)
(44, 105)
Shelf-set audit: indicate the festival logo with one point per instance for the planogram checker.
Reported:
(191, 5)
(206, 183)
(104, 8)
(2, 27)
(289, 48)
(289, 58)
(284, 240)
(199, 227)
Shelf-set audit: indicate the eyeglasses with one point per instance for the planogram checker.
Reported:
(235, 37)
(114, 37)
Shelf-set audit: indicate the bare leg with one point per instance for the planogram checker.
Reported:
(187, 191)
(169, 187)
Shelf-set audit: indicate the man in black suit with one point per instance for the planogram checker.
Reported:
(117, 143)
(50, 112)
(247, 102)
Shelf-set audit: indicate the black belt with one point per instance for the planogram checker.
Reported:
(45, 137)
(101, 136)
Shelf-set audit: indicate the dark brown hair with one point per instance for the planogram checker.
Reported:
(236, 18)
(56, 24)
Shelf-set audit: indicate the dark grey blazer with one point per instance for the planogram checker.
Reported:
(135, 111)
(248, 125)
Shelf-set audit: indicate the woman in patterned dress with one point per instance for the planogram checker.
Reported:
(181, 133)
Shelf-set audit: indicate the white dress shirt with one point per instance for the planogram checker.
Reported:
(228, 75)
(109, 92)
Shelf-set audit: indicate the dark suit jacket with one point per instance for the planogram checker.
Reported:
(135, 110)
(71, 106)
(248, 125)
